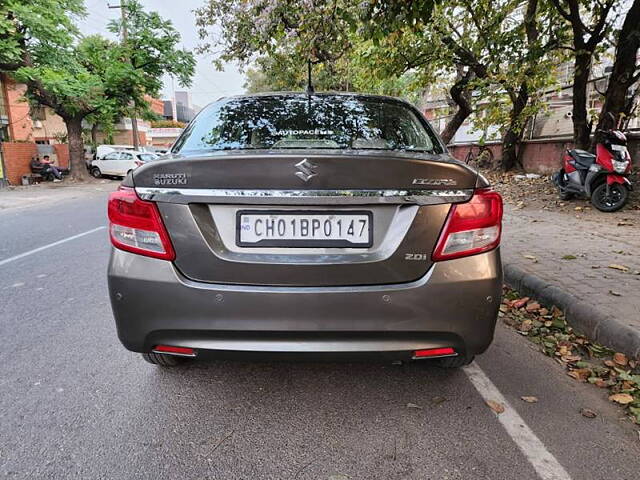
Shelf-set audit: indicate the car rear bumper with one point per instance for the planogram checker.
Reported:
(455, 304)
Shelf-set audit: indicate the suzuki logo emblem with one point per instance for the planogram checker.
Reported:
(306, 170)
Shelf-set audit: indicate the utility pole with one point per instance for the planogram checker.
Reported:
(134, 120)
(174, 106)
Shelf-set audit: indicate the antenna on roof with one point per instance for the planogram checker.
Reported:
(310, 89)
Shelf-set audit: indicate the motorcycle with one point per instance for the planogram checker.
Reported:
(603, 177)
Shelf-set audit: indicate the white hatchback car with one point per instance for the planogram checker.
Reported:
(120, 163)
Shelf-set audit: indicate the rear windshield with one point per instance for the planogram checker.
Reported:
(305, 122)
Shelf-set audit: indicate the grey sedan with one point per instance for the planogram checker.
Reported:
(295, 226)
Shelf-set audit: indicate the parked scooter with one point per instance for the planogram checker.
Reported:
(603, 177)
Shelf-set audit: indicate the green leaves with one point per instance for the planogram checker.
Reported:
(42, 28)
(80, 76)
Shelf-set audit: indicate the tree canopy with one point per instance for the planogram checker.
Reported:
(93, 76)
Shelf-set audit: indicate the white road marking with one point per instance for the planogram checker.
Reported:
(54, 244)
(544, 463)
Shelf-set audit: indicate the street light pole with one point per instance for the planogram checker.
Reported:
(134, 120)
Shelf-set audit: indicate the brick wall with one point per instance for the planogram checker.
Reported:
(62, 154)
(541, 156)
(21, 126)
(17, 158)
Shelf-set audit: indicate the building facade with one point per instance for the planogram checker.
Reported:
(26, 132)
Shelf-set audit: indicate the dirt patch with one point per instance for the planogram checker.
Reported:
(540, 194)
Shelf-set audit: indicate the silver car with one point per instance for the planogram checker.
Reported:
(294, 225)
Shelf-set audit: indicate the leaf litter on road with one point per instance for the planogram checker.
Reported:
(497, 407)
(585, 361)
(616, 266)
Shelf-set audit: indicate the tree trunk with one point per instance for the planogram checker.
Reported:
(513, 135)
(581, 122)
(94, 133)
(624, 67)
(76, 148)
(462, 98)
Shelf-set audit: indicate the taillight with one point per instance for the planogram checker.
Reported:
(136, 226)
(138, 163)
(471, 227)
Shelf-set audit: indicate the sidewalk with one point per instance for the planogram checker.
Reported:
(584, 261)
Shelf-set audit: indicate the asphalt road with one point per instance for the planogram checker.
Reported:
(75, 404)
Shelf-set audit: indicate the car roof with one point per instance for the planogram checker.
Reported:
(291, 94)
(137, 152)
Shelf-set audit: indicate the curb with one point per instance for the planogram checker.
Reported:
(584, 318)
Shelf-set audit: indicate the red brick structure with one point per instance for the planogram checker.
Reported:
(541, 156)
(62, 154)
(20, 124)
(17, 158)
(156, 105)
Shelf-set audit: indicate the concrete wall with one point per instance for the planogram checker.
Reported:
(51, 126)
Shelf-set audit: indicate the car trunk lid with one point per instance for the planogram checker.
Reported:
(406, 196)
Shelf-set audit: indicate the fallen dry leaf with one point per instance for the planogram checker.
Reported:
(586, 412)
(571, 358)
(621, 398)
(495, 406)
(620, 359)
(615, 266)
(413, 405)
(520, 302)
(532, 307)
(615, 294)
(580, 374)
(529, 399)
(438, 400)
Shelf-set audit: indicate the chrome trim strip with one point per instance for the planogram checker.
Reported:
(298, 197)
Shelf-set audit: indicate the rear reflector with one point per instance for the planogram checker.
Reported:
(136, 226)
(189, 352)
(471, 227)
(434, 352)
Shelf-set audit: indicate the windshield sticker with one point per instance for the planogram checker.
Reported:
(317, 131)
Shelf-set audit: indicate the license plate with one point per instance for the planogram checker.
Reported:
(262, 228)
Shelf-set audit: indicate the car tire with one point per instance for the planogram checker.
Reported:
(96, 173)
(455, 362)
(619, 194)
(163, 360)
